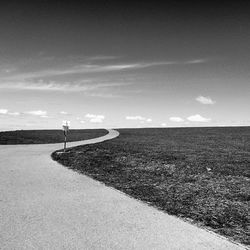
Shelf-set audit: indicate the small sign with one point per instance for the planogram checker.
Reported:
(66, 126)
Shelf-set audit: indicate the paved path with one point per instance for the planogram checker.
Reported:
(46, 206)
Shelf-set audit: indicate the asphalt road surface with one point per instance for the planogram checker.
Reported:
(44, 205)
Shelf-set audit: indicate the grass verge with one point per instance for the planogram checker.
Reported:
(196, 173)
(48, 136)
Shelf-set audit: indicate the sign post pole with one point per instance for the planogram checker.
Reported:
(65, 141)
(65, 131)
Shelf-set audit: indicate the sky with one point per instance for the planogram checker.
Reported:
(104, 64)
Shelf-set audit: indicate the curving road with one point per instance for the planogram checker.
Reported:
(46, 206)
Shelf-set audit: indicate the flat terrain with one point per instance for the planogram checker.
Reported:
(46, 206)
(197, 173)
(47, 136)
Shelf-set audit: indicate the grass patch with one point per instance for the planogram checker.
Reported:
(48, 136)
(197, 173)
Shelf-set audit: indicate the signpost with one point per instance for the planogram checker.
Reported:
(65, 131)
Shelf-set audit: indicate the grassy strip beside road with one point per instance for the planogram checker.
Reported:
(197, 173)
(48, 136)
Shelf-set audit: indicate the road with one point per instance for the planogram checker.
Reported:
(44, 205)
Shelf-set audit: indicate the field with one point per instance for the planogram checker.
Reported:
(200, 174)
(48, 136)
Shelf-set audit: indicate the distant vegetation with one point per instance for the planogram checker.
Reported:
(48, 136)
(197, 173)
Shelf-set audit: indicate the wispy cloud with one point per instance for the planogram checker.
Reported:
(198, 118)
(139, 118)
(93, 68)
(95, 118)
(82, 69)
(196, 61)
(63, 113)
(6, 112)
(205, 100)
(14, 113)
(176, 119)
(102, 57)
(37, 112)
(79, 119)
(3, 111)
(79, 75)
(83, 86)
